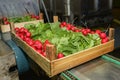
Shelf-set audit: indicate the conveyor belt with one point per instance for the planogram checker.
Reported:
(104, 68)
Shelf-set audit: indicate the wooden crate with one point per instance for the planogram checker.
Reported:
(54, 67)
(6, 28)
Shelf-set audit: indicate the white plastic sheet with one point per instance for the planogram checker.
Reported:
(13, 8)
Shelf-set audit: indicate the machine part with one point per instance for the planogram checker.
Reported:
(54, 7)
(69, 75)
(67, 7)
(21, 61)
(111, 60)
(69, 16)
(44, 7)
(51, 9)
(117, 21)
(104, 68)
(96, 4)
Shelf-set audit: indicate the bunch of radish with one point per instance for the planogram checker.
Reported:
(69, 27)
(35, 16)
(37, 45)
(85, 31)
(25, 35)
(73, 28)
(5, 21)
(103, 36)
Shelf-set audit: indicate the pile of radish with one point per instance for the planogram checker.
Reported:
(85, 31)
(37, 45)
(67, 37)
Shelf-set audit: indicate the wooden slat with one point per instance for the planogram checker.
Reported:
(51, 52)
(23, 23)
(111, 33)
(55, 18)
(5, 28)
(41, 16)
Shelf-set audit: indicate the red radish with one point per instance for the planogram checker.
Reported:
(45, 44)
(38, 44)
(28, 34)
(102, 35)
(4, 18)
(37, 17)
(60, 55)
(68, 27)
(17, 33)
(33, 47)
(105, 40)
(26, 31)
(98, 31)
(73, 28)
(30, 42)
(16, 29)
(21, 36)
(84, 33)
(44, 54)
(33, 16)
(26, 39)
(37, 41)
(6, 22)
(92, 32)
(61, 26)
(46, 41)
(64, 23)
(83, 30)
(77, 30)
(22, 30)
(88, 30)
(39, 51)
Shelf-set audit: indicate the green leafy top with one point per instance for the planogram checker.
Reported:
(67, 42)
(20, 19)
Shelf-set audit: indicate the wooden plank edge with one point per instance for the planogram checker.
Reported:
(5, 28)
(23, 23)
